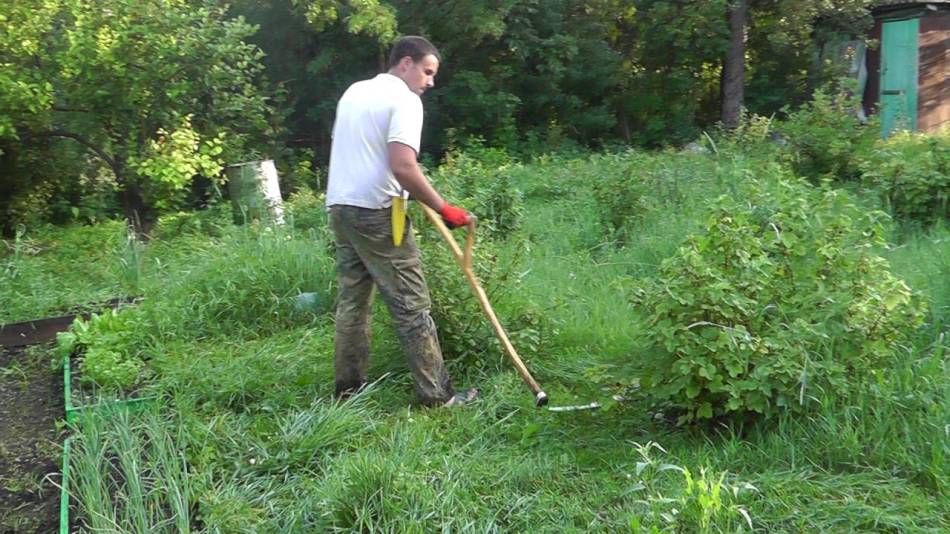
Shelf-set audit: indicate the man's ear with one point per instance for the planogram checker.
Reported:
(405, 62)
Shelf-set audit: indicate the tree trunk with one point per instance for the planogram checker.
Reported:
(139, 216)
(733, 79)
(623, 123)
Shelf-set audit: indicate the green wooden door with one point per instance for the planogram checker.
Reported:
(899, 75)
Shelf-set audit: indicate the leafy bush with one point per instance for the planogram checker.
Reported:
(307, 210)
(912, 173)
(755, 136)
(779, 298)
(481, 180)
(825, 137)
(464, 332)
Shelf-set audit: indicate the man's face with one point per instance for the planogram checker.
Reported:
(420, 75)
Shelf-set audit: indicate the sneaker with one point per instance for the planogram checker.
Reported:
(461, 398)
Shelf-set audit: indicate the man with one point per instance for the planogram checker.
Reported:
(373, 159)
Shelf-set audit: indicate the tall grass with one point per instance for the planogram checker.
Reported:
(47, 271)
(262, 447)
(243, 285)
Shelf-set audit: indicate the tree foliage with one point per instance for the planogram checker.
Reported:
(157, 90)
(24, 92)
(118, 79)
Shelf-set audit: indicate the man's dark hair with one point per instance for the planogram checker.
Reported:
(413, 46)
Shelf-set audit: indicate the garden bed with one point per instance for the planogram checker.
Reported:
(33, 399)
(78, 396)
(42, 330)
(31, 403)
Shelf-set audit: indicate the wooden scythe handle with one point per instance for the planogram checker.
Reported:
(465, 261)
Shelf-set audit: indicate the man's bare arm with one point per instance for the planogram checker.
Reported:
(405, 166)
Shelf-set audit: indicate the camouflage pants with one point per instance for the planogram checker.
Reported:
(366, 258)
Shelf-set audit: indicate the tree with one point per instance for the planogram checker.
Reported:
(733, 77)
(24, 92)
(158, 90)
(776, 50)
(672, 68)
(313, 50)
(521, 71)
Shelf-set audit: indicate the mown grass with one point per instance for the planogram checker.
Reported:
(246, 383)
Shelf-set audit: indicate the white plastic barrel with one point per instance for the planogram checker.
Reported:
(255, 192)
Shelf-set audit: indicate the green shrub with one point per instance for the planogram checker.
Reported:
(825, 138)
(481, 180)
(464, 331)
(912, 173)
(306, 210)
(779, 298)
(754, 137)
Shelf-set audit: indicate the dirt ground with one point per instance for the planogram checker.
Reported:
(31, 403)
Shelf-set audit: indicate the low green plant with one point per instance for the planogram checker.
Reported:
(482, 181)
(129, 475)
(110, 348)
(110, 368)
(912, 174)
(702, 503)
(781, 296)
(16, 371)
(826, 140)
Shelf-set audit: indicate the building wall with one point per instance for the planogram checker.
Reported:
(933, 97)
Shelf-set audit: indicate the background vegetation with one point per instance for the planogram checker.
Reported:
(121, 107)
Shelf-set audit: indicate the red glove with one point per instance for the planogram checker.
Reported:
(453, 217)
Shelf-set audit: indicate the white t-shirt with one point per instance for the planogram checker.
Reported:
(371, 114)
